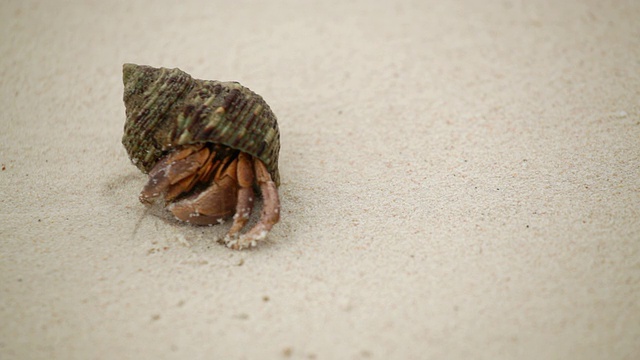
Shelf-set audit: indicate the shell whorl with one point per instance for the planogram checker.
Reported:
(167, 108)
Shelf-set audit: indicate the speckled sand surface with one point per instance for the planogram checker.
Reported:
(461, 180)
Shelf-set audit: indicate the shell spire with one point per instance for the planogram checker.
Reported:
(150, 98)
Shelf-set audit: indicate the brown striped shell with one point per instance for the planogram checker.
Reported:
(166, 108)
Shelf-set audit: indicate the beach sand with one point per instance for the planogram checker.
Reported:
(459, 180)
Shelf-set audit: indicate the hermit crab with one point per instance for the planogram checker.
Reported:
(207, 147)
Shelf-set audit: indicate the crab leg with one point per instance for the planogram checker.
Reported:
(245, 195)
(270, 209)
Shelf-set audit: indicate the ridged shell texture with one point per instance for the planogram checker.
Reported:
(167, 108)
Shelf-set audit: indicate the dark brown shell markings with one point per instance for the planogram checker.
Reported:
(205, 145)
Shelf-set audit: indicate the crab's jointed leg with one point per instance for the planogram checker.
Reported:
(244, 205)
(270, 209)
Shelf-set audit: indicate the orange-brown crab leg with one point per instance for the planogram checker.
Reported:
(270, 210)
(244, 205)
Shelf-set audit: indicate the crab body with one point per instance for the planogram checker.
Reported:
(206, 145)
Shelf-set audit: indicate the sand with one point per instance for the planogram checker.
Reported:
(460, 180)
